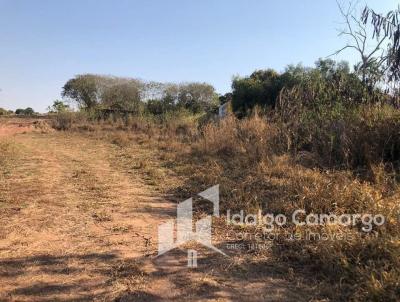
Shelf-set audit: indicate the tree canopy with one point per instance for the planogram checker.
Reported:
(58, 106)
(96, 91)
(26, 111)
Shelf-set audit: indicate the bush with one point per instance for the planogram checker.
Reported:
(58, 106)
(339, 134)
(63, 120)
(261, 88)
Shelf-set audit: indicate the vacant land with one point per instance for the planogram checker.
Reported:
(79, 222)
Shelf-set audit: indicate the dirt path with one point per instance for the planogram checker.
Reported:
(75, 226)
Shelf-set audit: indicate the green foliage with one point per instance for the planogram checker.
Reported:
(261, 88)
(329, 82)
(386, 26)
(227, 97)
(160, 106)
(29, 111)
(197, 97)
(83, 89)
(338, 131)
(58, 106)
(192, 97)
(95, 91)
(26, 111)
(125, 94)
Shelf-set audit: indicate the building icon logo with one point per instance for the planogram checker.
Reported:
(167, 240)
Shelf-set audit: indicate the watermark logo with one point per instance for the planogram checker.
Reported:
(170, 237)
(300, 218)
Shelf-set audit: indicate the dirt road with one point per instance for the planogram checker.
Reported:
(77, 226)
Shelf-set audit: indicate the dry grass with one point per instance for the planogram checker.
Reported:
(64, 230)
(280, 167)
(83, 222)
(247, 159)
(7, 154)
(8, 160)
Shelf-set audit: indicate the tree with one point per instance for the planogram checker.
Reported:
(370, 47)
(95, 91)
(29, 111)
(58, 106)
(107, 92)
(227, 97)
(123, 96)
(26, 111)
(261, 88)
(194, 97)
(197, 97)
(329, 83)
(160, 106)
(84, 90)
(386, 27)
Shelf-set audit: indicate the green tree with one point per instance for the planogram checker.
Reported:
(227, 97)
(26, 111)
(160, 106)
(197, 97)
(58, 106)
(29, 111)
(261, 88)
(123, 96)
(329, 82)
(95, 91)
(84, 90)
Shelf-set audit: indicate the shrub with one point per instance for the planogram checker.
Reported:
(339, 134)
(58, 106)
(63, 120)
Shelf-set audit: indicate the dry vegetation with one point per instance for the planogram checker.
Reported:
(81, 215)
(258, 166)
(82, 193)
(260, 162)
(7, 160)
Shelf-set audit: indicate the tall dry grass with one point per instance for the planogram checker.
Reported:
(330, 160)
(8, 155)
(8, 151)
(251, 161)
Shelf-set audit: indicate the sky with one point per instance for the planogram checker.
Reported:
(44, 43)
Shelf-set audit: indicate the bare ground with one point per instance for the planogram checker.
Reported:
(78, 226)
